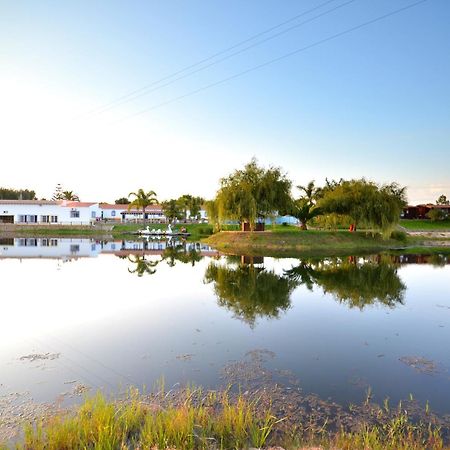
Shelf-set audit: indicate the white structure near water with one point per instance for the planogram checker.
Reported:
(47, 212)
(29, 212)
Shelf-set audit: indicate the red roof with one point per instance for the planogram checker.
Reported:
(70, 204)
(28, 202)
(109, 206)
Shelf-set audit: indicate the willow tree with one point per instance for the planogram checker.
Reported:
(374, 206)
(253, 194)
(142, 200)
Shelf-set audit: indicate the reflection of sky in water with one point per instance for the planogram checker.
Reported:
(113, 328)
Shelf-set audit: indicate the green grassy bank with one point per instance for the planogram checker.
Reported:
(219, 420)
(425, 225)
(289, 243)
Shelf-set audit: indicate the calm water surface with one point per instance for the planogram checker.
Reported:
(116, 313)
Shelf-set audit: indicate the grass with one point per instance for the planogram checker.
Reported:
(425, 225)
(290, 241)
(216, 420)
(200, 421)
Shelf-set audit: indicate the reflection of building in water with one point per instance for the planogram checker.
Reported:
(64, 248)
(25, 247)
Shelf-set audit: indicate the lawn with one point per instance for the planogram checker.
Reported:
(425, 225)
(290, 241)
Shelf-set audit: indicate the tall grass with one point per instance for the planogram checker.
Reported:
(219, 420)
(200, 421)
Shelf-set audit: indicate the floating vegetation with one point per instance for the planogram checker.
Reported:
(40, 357)
(420, 364)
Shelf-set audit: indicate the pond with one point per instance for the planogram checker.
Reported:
(81, 313)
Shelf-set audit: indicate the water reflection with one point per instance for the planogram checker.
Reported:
(250, 291)
(357, 282)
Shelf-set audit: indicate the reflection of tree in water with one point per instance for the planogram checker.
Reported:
(182, 254)
(354, 283)
(143, 266)
(249, 291)
(187, 254)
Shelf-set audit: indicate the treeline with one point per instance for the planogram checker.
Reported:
(17, 194)
(186, 207)
(253, 194)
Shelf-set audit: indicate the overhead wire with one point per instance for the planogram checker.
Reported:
(174, 78)
(274, 60)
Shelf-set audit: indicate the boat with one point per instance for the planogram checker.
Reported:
(169, 232)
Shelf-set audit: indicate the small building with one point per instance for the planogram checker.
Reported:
(153, 213)
(111, 212)
(421, 211)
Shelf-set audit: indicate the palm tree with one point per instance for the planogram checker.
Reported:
(304, 208)
(142, 200)
(69, 195)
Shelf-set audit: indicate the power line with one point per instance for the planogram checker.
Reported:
(274, 60)
(144, 89)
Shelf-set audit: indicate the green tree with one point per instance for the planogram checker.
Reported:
(212, 210)
(304, 208)
(253, 194)
(17, 194)
(368, 204)
(195, 206)
(142, 200)
(442, 200)
(122, 201)
(70, 195)
(436, 214)
(171, 209)
(183, 203)
(58, 194)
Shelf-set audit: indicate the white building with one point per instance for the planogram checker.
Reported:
(29, 212)
(111, 212)
(64, 212)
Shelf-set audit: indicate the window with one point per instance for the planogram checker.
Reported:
(93, 215)
(45, 219)
(22, 219)
(54, 219)
(24, 242)
(113, 213)
(49, 242)
(74, 214)
(74, 248)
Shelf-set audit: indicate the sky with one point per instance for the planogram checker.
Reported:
(371, 102)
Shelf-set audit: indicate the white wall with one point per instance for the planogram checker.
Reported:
(63, 213)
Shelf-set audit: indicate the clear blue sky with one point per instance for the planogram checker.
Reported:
(373, 103)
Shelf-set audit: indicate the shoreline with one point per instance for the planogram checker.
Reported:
(320, 243)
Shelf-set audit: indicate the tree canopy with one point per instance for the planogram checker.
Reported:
(142, 200)
(253, 193)
(17, 194)
(305, 207)
(442, 200)
(367, 203)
